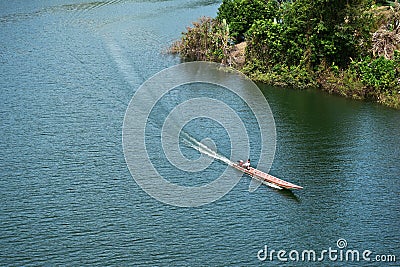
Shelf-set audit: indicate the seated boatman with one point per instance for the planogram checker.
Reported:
(247, 164)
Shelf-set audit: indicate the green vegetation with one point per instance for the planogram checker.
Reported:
(207, 40)
(343, 47)
(241, 15)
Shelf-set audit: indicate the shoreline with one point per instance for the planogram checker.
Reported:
(328, 83)
(374, 76)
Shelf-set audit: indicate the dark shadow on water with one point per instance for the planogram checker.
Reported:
(288, 194)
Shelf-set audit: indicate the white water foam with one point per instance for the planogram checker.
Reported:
(202, 148)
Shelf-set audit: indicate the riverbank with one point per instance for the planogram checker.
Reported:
(355, 56)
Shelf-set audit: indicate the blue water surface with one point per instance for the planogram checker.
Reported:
(68, 69)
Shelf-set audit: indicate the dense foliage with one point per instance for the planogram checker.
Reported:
(207, 40)
(241, 14)
(344, 47)
(309, 32)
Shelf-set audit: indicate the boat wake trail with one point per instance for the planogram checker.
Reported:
(204, 149)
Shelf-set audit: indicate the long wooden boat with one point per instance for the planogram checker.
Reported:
(266, 178)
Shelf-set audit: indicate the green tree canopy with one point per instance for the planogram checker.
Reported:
(309, 31)
(241, 14)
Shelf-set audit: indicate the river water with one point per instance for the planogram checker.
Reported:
(68, 70)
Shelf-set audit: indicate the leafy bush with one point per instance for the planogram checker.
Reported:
(367, 78)
(240, 14)
(266, 43)
(379, 74)
(207, 40)
(283, 75)
(309, 32)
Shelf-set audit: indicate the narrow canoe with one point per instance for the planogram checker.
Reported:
(266, 178)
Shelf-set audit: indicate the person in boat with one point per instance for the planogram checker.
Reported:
(246, 164)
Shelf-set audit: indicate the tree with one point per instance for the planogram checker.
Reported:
(311, 32)
(241, 14)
